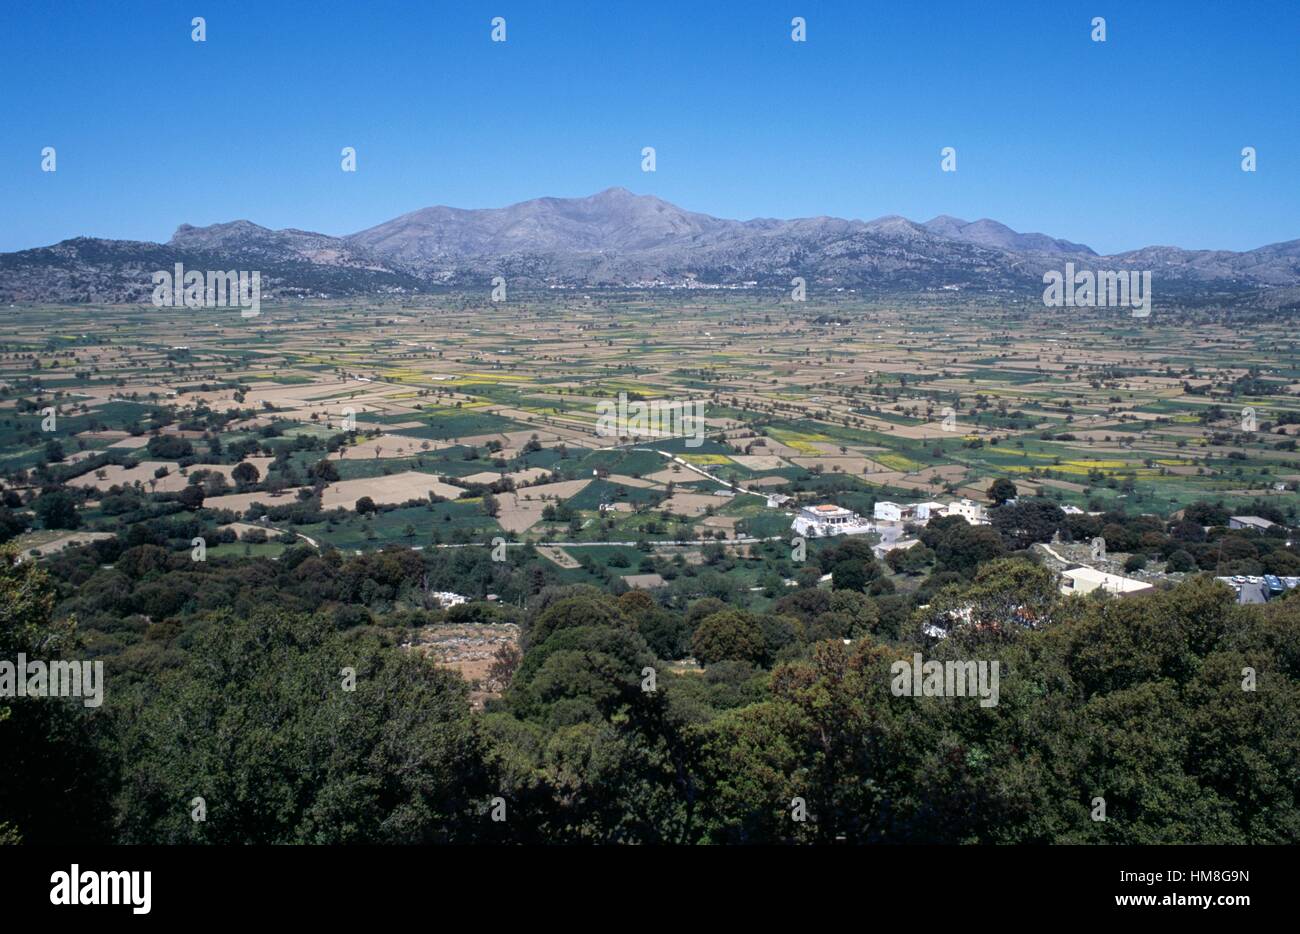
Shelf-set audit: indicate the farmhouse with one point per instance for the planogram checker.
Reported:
(922, 513)
(925, 511)
(819, 521)
(899, 544)
(1249, 522)
(1082, 580)
(969, 510)
(892, 512)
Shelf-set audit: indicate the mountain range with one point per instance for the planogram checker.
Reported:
(619, 239)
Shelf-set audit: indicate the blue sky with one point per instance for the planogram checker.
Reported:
(1122, 144)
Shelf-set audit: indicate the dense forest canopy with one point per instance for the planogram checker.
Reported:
(280, 699)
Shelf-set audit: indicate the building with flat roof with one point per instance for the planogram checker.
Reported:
(925, 511)
(1082, 580)
(969, 510)
(885, 511)
(898, 544)
(1249, 522)
(827, 519)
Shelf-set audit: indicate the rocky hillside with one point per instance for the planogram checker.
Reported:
(618, 239)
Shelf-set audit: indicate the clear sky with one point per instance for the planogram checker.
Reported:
(1122, 144)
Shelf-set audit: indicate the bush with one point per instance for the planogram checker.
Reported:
(1180, 561)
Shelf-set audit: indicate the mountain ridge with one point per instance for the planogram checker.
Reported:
(616, 238)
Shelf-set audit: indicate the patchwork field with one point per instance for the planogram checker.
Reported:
(845, 400)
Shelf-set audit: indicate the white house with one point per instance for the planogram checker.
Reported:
(899, 544)
(1083, 580)
(1249, 522)
(969, 510)
(889, 512)
(924, 511)
(820, 521)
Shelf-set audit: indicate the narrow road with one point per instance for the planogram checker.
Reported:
(673, 543)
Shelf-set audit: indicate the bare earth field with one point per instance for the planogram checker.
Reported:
(1116, 413)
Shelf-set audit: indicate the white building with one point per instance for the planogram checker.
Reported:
(1083, 580)
(925, 510)
(890, 512)
(898, 544)
(824, 520)
(1249, 522)
(446, 599)
(969, 510)
(922, 513)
